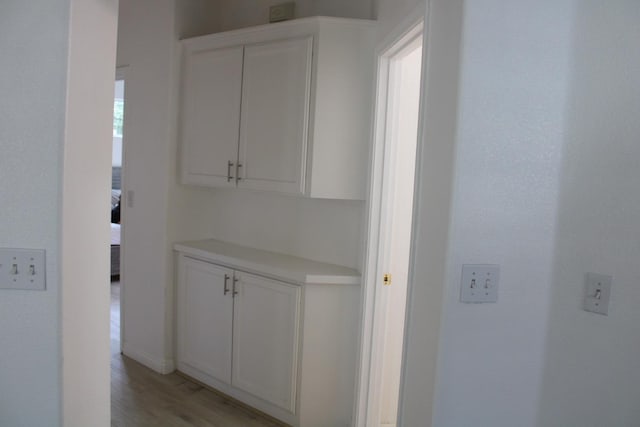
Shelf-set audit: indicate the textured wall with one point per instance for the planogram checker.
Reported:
(147, 44)
(54, 343)
(31, 136)
(592, 370)
(245, 13)
(510, 137)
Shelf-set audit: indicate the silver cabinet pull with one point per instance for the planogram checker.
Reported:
(226, 288)
(235, 292)
(238, 166)
(229, 166)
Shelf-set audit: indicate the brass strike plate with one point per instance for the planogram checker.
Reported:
(386, 279)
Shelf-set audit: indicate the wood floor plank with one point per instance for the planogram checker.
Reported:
(141, 397)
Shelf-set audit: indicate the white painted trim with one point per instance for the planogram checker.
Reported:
(417, 191)
(162, 366)
(394, 43)
(83, 297)
(435, 175)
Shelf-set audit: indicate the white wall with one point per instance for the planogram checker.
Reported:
(360, 9)
(196, 17)
(391, 15)
(513, 89)
(245, 13)
(592, 370)
(323, 230)
(146, 45)
(31, 136)
(148, 49)
(55, 363)
(545, 185)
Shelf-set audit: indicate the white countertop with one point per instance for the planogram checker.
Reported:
(284, 267)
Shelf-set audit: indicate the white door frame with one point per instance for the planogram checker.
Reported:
(367, 406)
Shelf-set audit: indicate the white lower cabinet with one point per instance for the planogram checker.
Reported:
(276, 332)
(265, 339)
(205, 318)
(239, 329)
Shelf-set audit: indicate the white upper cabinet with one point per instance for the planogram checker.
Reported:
(281, 107)
(275, 111)
(211, 115)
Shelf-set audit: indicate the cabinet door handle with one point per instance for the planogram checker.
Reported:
(226, 288)
(235, 292)
(238, 166)
(229, 166)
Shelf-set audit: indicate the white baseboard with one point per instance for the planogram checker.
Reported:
(162, 366)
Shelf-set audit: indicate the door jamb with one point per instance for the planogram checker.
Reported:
(405, 33)
(121, 74)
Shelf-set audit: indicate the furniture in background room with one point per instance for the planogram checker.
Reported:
(116, 191)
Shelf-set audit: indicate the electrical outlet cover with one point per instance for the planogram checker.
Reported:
(479, 283)
(597, 293)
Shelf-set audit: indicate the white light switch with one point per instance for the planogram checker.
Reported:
(22, 269)
(597, 293)
(479, 283)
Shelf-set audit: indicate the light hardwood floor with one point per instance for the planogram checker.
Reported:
(142, 398)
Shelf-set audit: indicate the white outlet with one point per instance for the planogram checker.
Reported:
(597, 293)
(22, 269)
(479, 283)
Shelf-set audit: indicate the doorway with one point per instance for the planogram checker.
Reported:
(390, 227)
(117, 212)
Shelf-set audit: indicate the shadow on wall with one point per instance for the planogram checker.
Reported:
(592, 370)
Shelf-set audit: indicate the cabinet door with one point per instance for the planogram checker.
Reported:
(265, 339)
(205, 316)
(275, 114)
(211, 115)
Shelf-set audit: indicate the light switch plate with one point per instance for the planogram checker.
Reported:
(479, 283)
(22, 269)
(597, 293)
